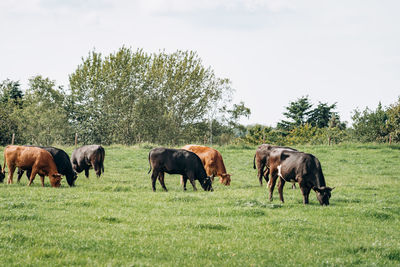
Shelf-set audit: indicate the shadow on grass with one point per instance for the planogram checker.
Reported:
(256, 203)
(210, 226)
(109, 219)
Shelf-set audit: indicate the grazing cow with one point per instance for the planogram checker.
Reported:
(38, 160)
(212, 161)
(177, 161)
(261, 160)
(299, 167)
(62, 161)
(86, 157)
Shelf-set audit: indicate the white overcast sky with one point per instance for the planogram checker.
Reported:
(273, 51)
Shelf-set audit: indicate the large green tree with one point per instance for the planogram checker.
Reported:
(43, 119)
(300, 112)
(322, 115)
(11, 99)
(131, 96)
(297, 112)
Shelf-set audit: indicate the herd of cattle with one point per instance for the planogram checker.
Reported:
(192, 162)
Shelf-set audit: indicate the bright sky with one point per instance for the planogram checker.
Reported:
(273, 51)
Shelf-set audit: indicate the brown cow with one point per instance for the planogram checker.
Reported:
(212, 161)
(38, 160)
(261, 160)
(303, 168)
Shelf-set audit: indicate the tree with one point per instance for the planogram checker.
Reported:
(297, 113)
(10, 92)
(370, 126)
(43, 118)
(11, 98)
(321, 115)
(130, 97)
(393, 122)
(300, 112)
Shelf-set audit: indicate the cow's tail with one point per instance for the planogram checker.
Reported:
(254, 161)
(149, 165)
(102, 155)
(4, 164)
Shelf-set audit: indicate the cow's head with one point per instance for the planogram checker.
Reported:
(71, 181)
(323, 194)
(225, 179)
(55, 179)
(207, 184)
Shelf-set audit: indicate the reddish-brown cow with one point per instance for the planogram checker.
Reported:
(212, 161)
(39, 160)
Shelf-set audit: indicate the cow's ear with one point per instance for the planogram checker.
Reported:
(330, 189)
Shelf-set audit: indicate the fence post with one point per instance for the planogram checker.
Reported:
(329, 140)
(390, 139)
(76, 139)
(13, 139)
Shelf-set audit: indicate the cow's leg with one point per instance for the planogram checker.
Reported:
(191, 177)
(260, 173)
(96, 168)
(20, 172)
(32, 177)
(184, 181)
(305, 190)
(11, 169)
(87, 172)
(193, 182)
(280, 189)
(28, 173)
(271, 184)
(161, 180)
(42, 179)
(154, 179)
(266, 175)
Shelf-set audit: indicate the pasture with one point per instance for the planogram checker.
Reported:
(118, 221)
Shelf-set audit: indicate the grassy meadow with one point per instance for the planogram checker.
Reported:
(118, 221)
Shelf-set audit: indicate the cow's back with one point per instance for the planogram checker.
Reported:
(21, 156)
(82, 155)
(26, 157)
(209, 156)
(176, 161)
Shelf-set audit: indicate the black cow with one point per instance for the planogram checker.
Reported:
(261, 160)
(62, 162)
(86, 157)
(178, 161)
(2, 175)
(298, 167)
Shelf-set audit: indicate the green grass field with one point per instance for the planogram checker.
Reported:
(118, 221)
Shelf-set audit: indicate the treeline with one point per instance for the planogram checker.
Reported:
(131, 97)
(322, 125)
(126, 97)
